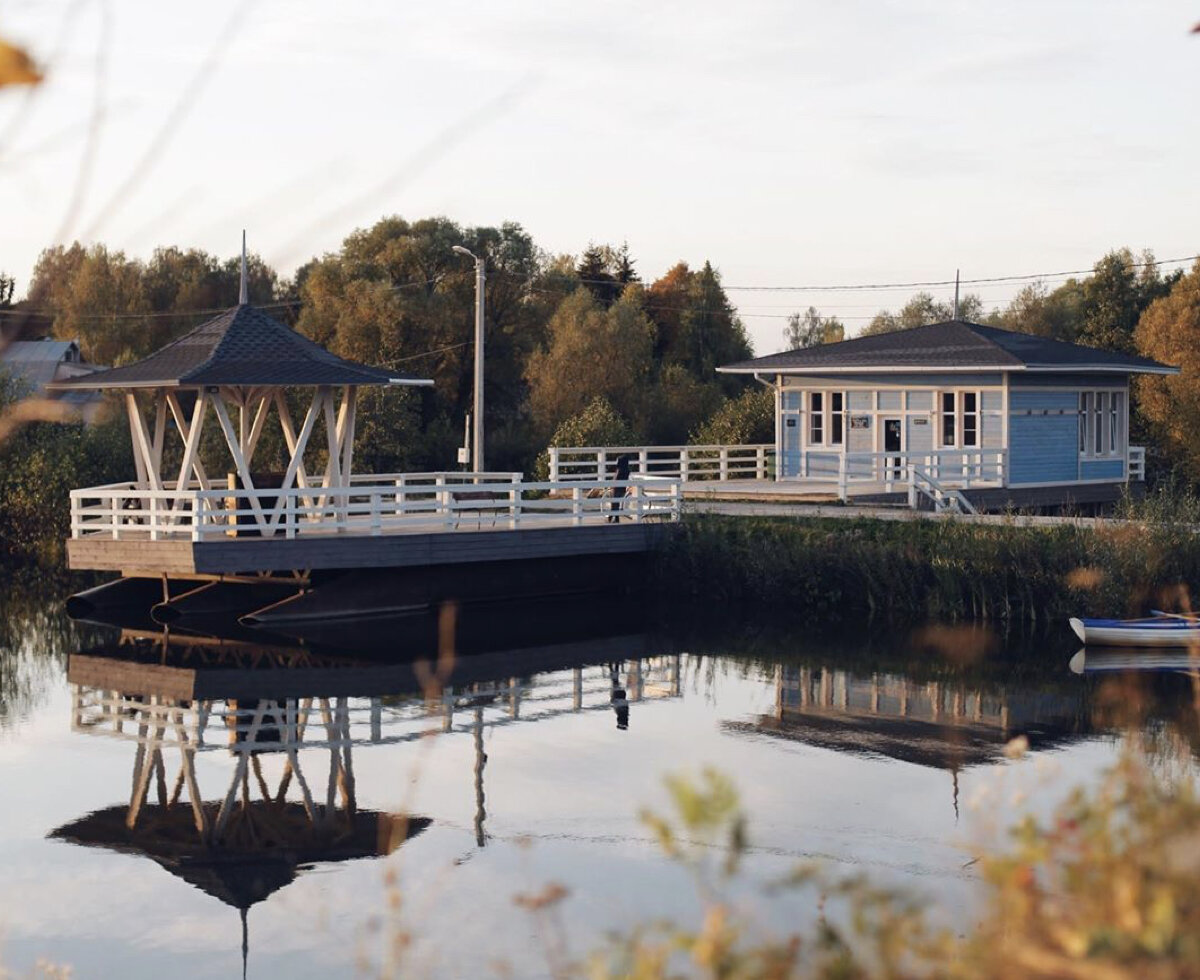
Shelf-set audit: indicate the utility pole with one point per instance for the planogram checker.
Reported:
(477, 435)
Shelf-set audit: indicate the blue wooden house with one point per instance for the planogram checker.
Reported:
(957, 412)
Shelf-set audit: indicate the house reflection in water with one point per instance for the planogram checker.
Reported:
(943, 724)
(292, 721)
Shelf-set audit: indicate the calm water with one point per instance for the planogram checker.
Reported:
(874, 754)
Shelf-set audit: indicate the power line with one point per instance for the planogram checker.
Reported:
(931, 283)
(918, 285)
(430, 353)
(157, 314)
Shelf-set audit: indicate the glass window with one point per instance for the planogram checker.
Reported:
(1085, 401)
(970, 418)
(1114, 422)
(1099, 401)
(837, 405)
(816, 419)
(948, 418)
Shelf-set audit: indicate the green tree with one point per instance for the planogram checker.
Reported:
(598, 424)
(1114, 297)
(121, 309)
(678, 399)
(396, 294)
(1054, 314)
(592, 352)
(922, 310)
(7, 286)
(606, 271)
(747, 419)
(40, 464)
(810, 329)
(1169, 331)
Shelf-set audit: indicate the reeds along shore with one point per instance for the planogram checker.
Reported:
(842, 570)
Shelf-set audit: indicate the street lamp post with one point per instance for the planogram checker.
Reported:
(477, 434)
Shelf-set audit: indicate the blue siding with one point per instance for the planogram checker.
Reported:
(1043, 448)
(1033, 379)
(790, 464)
(1066, 400)
(1103, 469)
(824, 465)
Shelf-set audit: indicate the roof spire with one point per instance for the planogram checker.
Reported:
(244, 291)
(955, 317)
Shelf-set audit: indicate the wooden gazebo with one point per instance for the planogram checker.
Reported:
(241, 360)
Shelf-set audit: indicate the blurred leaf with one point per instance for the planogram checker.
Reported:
(16, 67)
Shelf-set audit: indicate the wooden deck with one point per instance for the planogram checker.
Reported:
(247, 555)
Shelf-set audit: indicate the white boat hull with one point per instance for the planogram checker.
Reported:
(1132, 635)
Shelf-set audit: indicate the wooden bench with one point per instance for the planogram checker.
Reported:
(469, 496)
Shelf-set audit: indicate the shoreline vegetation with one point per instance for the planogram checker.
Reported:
(906, 571)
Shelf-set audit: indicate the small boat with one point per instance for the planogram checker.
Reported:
(1153, 631)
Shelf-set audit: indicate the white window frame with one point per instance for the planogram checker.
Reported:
(943, 415)
(1102, 424)
(958, 415)
(836, 410)
(962, 419)
(816, 418)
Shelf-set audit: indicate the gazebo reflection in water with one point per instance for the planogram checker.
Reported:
(292, 720)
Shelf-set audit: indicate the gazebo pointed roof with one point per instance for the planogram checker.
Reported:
(242, 346)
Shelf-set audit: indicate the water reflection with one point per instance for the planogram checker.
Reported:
(942, 724)
(247, 758)
(292, 718)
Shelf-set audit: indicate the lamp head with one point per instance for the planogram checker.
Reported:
(463, 251)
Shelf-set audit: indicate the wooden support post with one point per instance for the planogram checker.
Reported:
(239, 462)
(260, 417)
(296, 446)
(186, 432)
(187, 770)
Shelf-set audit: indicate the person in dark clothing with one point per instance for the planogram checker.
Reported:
(617, 697)
(618, 493)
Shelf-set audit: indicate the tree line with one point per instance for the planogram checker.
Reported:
(577, 342)
(579, 349)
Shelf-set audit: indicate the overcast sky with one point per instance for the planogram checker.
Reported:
(791, 143)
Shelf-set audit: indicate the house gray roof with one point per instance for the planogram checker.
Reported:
(36, 362)
(242, 346)
(952, 346)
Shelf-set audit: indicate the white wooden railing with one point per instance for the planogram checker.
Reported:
(371, 505)
(687, 463)
(890, 472)
(944, 499)
(1136, 465)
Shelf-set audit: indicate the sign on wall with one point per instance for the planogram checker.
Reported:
(860, 421)
(919, 421)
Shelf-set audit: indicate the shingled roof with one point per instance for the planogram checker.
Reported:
(242, 346)
(952, 346)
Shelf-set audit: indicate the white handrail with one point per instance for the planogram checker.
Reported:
(705, 462)
(962, 468)
(392, 505)
(920, 483)
(1135, 466)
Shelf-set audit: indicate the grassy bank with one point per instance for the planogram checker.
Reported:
(843, 570)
